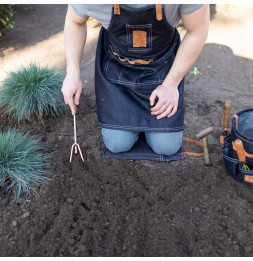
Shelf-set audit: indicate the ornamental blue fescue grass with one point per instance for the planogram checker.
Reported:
(32, 92)
(23, 164)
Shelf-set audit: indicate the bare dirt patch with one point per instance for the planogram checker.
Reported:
(107, 207)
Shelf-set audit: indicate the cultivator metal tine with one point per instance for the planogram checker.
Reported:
(75, 145)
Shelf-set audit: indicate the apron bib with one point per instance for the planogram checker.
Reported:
(133, 57)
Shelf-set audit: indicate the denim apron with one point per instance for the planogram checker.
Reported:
(122, 86)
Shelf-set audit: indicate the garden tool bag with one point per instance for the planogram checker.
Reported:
(242, 129)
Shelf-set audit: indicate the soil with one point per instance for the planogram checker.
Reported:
(107, 207)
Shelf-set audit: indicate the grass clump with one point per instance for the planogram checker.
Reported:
(32, 92)
(6, 16)
(23, 164)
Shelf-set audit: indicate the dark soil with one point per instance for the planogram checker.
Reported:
(106, 207)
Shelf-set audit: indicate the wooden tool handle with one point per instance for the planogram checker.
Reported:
(227, 107)
(240, 150)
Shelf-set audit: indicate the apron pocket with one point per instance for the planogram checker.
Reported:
(131, 76)
(139, 37)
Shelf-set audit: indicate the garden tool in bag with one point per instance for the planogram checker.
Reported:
(238, 147)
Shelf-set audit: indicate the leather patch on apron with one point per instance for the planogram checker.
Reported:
(139, 38)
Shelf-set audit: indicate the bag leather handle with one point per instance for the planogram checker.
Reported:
(236, 120)
(238, 147)
(189, 153)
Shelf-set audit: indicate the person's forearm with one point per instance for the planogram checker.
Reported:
(74, 40)
(187, 54)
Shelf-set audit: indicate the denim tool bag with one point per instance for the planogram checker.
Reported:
(241, 131)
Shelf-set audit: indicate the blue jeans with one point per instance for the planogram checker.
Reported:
(165, 143)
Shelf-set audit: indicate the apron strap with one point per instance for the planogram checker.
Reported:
(116, 9)
(159, 13)
(193, 153)
(132, 61)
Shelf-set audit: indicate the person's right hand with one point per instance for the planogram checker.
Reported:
(72, 89)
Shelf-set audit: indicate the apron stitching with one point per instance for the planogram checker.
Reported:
(128, 37)
(139, 26)
(158, 76)
(107, 65)
(133, 84)
(141, 75)
(136, 128)
(139, 49)
(120, 75)
(139, 9)
(150, 42)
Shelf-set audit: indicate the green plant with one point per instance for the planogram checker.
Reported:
(23, 164)
(245, 167)
(32, 92)
(195, 71)
(6, 15)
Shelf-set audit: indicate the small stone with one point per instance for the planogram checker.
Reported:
(71, 242)
(14, 223)
(32, 238)
(248, 249)
(20, 201)
(205, 197)
(196, 209)
(218, 208)
(26, 214)
(70, 200)
(97, 199)
(124, 248)
(249, 211)
(236, 248)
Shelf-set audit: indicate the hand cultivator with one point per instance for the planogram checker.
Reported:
(75, 145)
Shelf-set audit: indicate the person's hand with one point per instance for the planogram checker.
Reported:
(72, 89)
(167, 101)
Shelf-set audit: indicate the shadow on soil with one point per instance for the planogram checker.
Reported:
(37, 18)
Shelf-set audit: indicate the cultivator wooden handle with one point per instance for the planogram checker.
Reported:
(227, 107)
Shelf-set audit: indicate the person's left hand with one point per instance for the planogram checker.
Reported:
(167, 101)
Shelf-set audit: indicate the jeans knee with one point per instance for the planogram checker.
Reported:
(118, 141)
(165, 143)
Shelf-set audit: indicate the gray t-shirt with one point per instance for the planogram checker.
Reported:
(103, 12)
